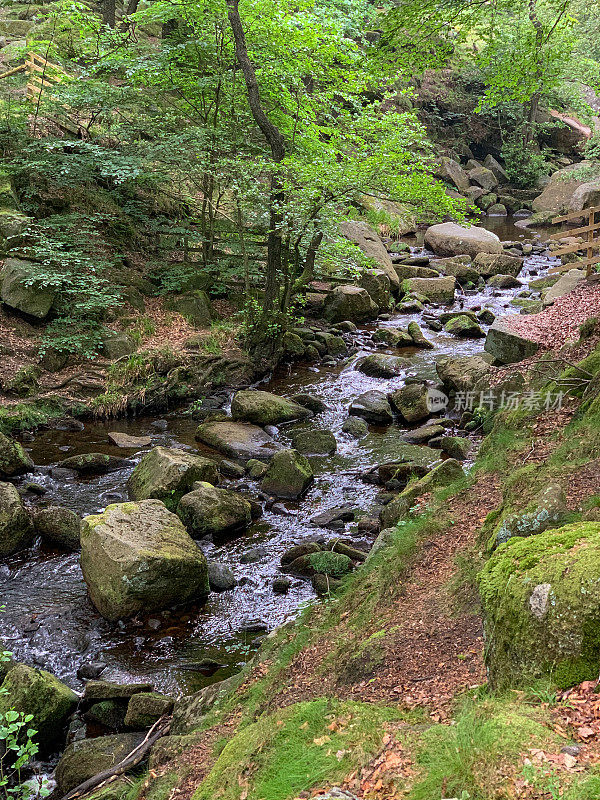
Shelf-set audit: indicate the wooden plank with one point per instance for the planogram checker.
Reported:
(562, 268)
(574, 214)
(587, 262)
(575, 248)
(575, 231)
(44, 62)
(13, 71)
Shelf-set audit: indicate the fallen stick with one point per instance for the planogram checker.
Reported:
(160, 728)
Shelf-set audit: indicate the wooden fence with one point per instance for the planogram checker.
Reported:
(586, 248)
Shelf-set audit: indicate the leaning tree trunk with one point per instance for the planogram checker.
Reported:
(276, 142)
(109, 13)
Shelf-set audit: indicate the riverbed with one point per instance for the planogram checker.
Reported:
(49, 620)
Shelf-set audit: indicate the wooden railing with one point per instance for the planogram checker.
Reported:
(44, 75)
(586, 248)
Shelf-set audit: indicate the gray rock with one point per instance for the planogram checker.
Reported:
(379, 365)
(138, 557)
(314, 404)
(377, 284)
(13, 458)
(238, 440)
(350, 303)
(126, 441)
(411, 402)
(373, 406)
(483, 177)
(488, 264)
(21, 290)
(461, 373)
(190, 710)
(436, 290)
(168, 473)
(116, 344)
(94, 463)
(551, 511)
(355, 427)
(507, 346)
(450, 239)
(314, 442)
(220, 577)
(88, 757)
(16, 528)
(59, 526)
(363, 236)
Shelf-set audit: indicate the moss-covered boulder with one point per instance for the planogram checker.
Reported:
(418, 337)
(16, 528)
(58, 526)
(138, 557)
(22, 289)
(194, 306)
(166, 474)
(315, 442)
(144, 709)
(411, 402)
(380, 365)
(488, 264)
(549, 510)
(41, 694)
(25, 382)
(88, 757)
(541, 601)
(463, 326)
(456, 446)
(324, 562)
(350, 303)
(94, 463)
(265, 408)
(210, 511)
(289, 475)
(461, 373)
(13, 459)
(116, 344)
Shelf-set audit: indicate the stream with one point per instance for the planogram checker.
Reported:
(49, 620)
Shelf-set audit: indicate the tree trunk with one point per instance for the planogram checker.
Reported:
(109, 13)
(276, 142)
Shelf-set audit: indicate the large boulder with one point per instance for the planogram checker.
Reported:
(363, 236)
(13, 459)
(166, 474)
(450, 239)
(463, 326)
(436, 290)
(314, 442)
(377, 284)
(138, 557)
(94, 463)
(350, 303)
(566, 191)
(373, 406)
(194, 306)
(59, 526)
(488, 264)
(289, 475)
(506, 345)
(549, 511)
(48, 700)
(86, 758)
(451, 171)
(23, 290)
(412, 402)
(16, 528)
(116, 344)
(265, 408)
(461, 373)
(238, 440)
(209, 510)
(541, 601)
(483, 177)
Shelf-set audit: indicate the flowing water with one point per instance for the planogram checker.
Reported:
(49, 620)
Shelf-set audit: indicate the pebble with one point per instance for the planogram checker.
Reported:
(90, 670)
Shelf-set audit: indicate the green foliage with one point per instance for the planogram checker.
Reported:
(524, 162)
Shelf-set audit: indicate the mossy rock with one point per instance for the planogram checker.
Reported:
(443, 474)
(336, 565)
(146, 708)
(463, 326)
(194, 306)
(411, 402)
(541, 601)
(21, 289)
(94, 463)
(16, 528)
(88, 757)
(138, 557)
(109, 713)
(210, 511)
(13, 458)
(167, 474)
(456, 446)
(36, 692)
(266, 408)
(59, 526)
(289, 475)
(25, 382)
(315, 442)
